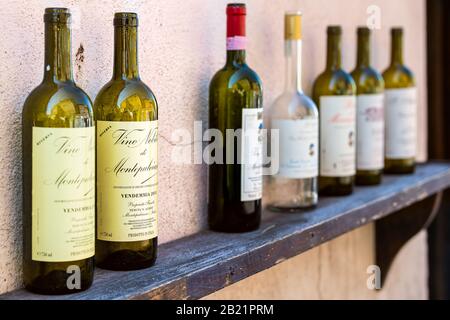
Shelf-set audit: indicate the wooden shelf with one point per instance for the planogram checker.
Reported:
(198, 265)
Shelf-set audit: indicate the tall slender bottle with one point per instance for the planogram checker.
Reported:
(127, 162)
(296, 118)
(400, 111)
(370, 115)
(58, 172)
(335, 93)
(235, 109)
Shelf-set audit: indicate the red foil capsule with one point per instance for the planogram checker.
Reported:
(236, 33)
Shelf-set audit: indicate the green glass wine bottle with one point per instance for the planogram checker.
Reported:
(334, 92)
(370, 115)
(126, 114)
(400, 112)
(58, 172)
(235, 102)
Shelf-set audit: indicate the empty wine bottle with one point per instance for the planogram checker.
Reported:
(58, 172)
(401, 111)
(370, 115)
(296, 118)
(235, 103)
(334, 92)
(126, 114)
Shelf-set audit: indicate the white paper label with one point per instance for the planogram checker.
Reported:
(337, 136)
(370, 132)
(252, 155)
(401, 123)
(298, 146)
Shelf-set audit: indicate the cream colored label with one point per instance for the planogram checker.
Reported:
(370, 132)
(127, 181)
(299, 141)
(63, 194)
(337, 136)
(401, 123)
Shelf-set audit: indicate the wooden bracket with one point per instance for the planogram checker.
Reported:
(395, 230)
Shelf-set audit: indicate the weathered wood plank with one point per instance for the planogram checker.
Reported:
(198, 265)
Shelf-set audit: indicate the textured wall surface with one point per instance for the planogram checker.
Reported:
(182, 44)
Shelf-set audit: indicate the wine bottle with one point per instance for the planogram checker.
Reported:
(58, 172)
(334, 92)
(400, 112)
(126, 114)
(370, 115)
(296, 118)
(235, 103)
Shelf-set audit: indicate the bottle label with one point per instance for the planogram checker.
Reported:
(252, 154)
(337, 136)
(63, 194)
(236, 43)
(401, 123)
(127, 180)
(298, 146)
(370, 132)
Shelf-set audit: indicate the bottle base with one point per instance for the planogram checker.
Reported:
(55, 283)
(340, 191)
(369, 178)
(291, 208)
(400, 170)
(235, 229)
(400, 166)
(126, 260)
(336, 186)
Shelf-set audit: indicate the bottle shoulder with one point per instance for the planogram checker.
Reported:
(398, 76)
(334, 82)
(118, 90)
(231, 76)
(56, 104)
(368, 80)
(292, 105)
(125, 100)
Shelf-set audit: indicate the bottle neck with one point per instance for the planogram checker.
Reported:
(235, 57)
(236, 39)
(125, 53)
(334, 52)
(363, 59)
(58, 61)
(293, 53)
(397, 50)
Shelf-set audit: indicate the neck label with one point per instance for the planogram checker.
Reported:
(236, 43)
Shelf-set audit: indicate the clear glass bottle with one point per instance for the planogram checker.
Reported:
(296, 118)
